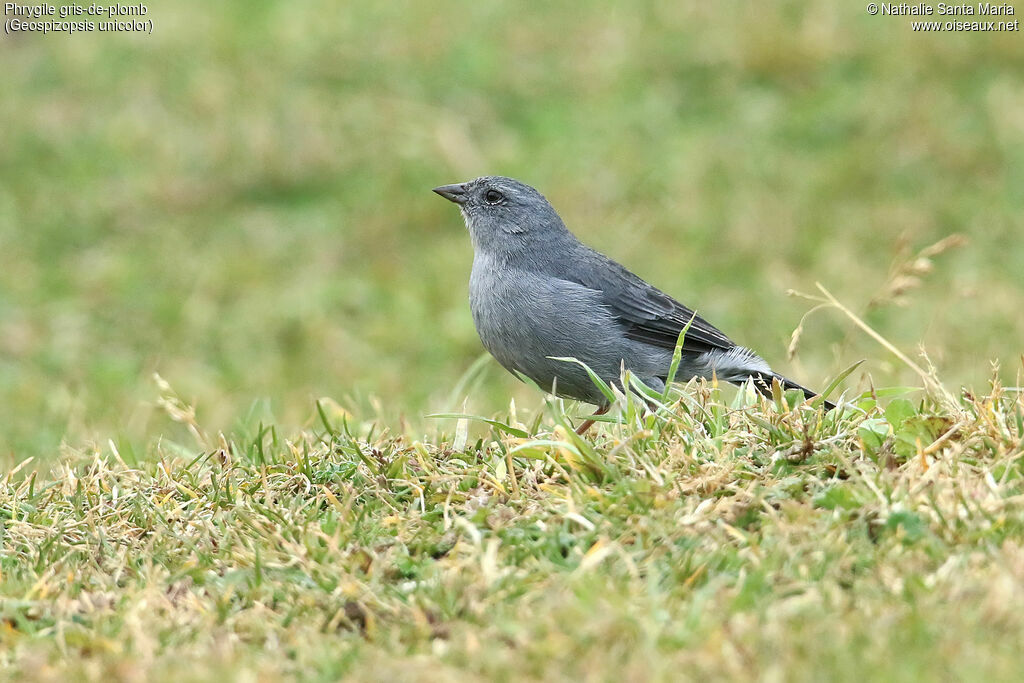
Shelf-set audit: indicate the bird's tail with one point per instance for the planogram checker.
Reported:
(763, 384)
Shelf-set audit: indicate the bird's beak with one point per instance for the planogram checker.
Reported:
(453, 193)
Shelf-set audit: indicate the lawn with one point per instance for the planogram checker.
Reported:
(230, 305)
(709, 539)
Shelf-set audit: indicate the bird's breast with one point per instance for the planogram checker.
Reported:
(496, 300)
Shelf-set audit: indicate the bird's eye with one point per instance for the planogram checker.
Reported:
(493, 196)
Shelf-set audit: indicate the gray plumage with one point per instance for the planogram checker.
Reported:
(538, 293)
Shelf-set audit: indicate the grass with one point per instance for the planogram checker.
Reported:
(239, 206)
(711, 539)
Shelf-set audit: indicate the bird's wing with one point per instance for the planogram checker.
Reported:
(648, 314)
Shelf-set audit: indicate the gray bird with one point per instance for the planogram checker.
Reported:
(537, 293)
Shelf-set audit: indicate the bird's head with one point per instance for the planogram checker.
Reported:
(505, 215)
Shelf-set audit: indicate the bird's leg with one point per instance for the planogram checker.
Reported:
(582, 429)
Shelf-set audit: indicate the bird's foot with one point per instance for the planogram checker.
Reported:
(589, 422)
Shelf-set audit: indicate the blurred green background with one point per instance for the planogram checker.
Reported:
(241, 200)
